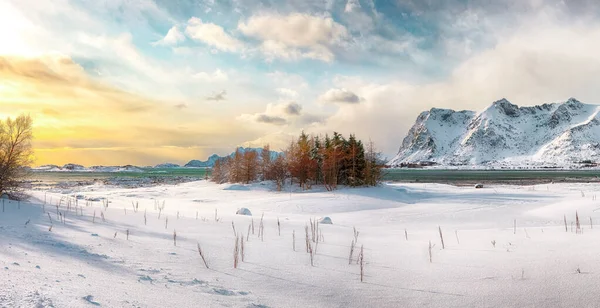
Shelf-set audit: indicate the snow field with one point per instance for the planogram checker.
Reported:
(80, 263)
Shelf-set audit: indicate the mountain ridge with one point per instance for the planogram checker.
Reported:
(504, 134)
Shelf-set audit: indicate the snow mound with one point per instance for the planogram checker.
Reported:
(243, 211)
(325, 220)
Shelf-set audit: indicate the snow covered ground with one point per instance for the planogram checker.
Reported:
(81, 263)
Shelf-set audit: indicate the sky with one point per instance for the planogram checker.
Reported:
(114, 82)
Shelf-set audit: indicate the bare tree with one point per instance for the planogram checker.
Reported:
(15, 152)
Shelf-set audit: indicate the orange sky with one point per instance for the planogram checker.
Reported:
(81, 120)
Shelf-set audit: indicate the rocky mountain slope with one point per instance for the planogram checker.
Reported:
(504, 134)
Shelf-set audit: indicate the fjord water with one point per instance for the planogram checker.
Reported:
(392, 175)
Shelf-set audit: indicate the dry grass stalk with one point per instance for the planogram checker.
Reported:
(261, 228)
(94, 217)
(174, 238)
(493, 243)
(307, 238)
(430, 254)
(145, 218)
(248, 234)
(441, 237)
(312, 254)
(128, 234)
(457, 240)
(166, 221)
(202, 255)
(405, 234)
(115, 235)
(351, 252)
(591, 223)
(236, 252)
(361, 257)
(515, 227)
(242, 247)
(49, 218)
(252, 226)
(102, 214)
(278, 227)
(294, 240)
(50, 229)
(577, 224)
(177, 214)
(565, 218)
(196, 215)
(233, 226)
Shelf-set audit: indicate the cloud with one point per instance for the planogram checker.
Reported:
(212, 35)
(292, 109)
(276, 114)
(218, 96)
(295, 36)
(275, 120)
(352, 5)
(173, 37)
(342, 96)
(312, 119)
(287, 93)
(217, 75)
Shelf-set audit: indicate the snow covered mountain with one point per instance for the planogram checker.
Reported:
(213, 158)
(503, 134)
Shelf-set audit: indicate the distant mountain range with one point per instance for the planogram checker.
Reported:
(213, 158)
(503, 134)
(210, 162)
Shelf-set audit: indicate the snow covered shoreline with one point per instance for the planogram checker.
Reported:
(484, 263)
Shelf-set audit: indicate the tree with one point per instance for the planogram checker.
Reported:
(278, 170)
(265, 163)
(15, 151)
(373, 168)
(249, 166)
(356, 162)
(219, 171)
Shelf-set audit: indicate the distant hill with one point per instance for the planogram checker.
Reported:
(167, 165)
(213, 158)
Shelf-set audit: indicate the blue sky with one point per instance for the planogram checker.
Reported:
(218, 74)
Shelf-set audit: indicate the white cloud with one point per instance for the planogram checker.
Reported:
(212, 35)
(287, 93)
(342, 96)
(352, 5)
(216, 76)
(295, 36)
(288, 80)
(173, 37)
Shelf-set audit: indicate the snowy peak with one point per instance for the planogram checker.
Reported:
(506, 134)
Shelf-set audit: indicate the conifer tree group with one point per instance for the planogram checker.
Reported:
(310, 160)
